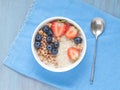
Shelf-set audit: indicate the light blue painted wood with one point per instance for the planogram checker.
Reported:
(110, 6)
(12, 15)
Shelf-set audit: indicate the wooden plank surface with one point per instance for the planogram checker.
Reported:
(110, 6)
(12, 15)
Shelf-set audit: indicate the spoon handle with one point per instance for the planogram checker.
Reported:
(93, 63)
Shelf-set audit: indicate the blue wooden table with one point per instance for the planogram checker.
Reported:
(12, 16)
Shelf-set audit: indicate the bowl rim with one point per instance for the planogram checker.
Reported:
(58, 69)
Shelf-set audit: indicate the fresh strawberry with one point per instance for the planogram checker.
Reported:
(58, 28)
(73, 53)
(71, 32)
(67, 25)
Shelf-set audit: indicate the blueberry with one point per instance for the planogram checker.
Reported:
(45, 29)
(56, 44)
(38, 37)
(37, 44)
(49, 39)
(49, 47)
(50, 33)
(77, 40)
(54, 51)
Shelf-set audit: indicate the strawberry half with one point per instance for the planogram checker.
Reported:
(73, 53)
(71, 33)
(58, 28)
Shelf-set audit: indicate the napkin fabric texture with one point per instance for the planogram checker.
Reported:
(107, 71)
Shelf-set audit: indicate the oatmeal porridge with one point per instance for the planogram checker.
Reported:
(58, 43)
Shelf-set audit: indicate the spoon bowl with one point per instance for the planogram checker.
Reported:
(97, 26)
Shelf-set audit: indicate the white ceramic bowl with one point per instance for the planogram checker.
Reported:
(58, 69)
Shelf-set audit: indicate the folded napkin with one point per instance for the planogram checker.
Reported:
(107, 75)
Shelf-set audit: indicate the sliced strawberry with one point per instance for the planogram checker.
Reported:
(58, 28)
(71, 32)
(73, 53)
(67, 25)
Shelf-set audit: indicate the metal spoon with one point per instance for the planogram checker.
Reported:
(97, 27)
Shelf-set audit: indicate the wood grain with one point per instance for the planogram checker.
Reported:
(109, 6)
(12, 15)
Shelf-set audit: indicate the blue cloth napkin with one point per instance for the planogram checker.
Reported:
(107, 74)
